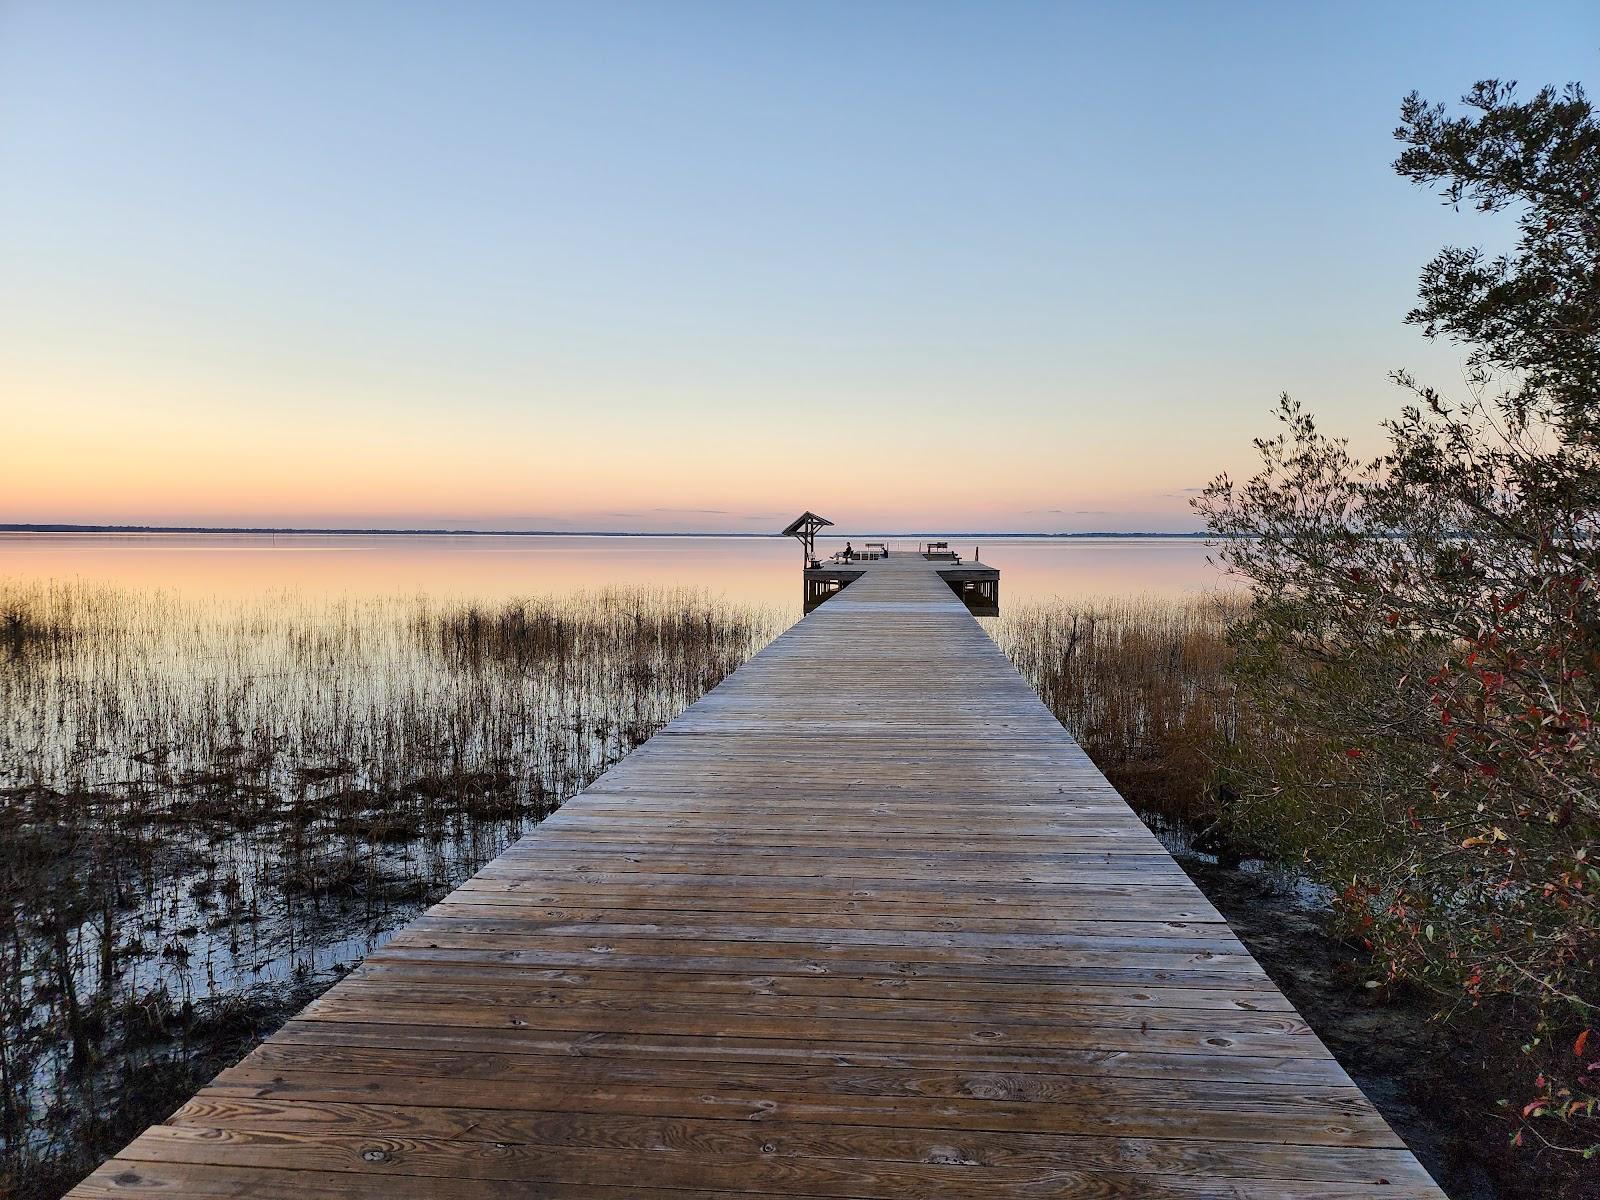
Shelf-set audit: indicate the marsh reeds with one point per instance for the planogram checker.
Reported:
(1141, 682)
(208, 807)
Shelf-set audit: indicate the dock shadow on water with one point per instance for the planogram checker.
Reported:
(211, 808)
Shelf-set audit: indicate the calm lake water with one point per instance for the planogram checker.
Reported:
(759, 570)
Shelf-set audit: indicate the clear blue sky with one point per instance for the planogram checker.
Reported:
(686, 265)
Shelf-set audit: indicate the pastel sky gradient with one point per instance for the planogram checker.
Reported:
(672, 266)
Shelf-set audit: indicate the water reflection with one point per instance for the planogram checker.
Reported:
(751, 570)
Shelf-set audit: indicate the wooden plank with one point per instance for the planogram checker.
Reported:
(863, 922)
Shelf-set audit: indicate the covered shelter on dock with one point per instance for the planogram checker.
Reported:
(804, 530)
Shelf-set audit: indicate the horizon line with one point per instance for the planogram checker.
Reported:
(64, 527)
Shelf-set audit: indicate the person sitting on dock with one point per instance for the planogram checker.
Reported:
(848, 552)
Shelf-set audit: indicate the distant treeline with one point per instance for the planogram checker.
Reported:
(25, 528)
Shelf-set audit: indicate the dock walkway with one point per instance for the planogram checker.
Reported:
(863, 922)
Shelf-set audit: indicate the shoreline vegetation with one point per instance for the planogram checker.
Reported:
(212, 808)
(1423, 645)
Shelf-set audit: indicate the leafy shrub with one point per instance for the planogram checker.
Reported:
(1423, 645)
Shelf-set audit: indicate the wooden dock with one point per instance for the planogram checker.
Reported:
(976, 584)
(863, 922)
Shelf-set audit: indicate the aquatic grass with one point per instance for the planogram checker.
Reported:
(42, 618)
(1142, 683)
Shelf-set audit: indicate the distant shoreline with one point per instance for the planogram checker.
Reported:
(346, 532)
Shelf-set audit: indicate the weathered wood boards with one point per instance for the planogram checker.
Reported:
(864, 922)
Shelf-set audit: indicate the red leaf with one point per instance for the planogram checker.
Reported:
(1577, 1046)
